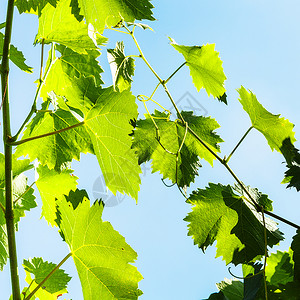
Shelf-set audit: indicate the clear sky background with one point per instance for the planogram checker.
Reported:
(259, 44)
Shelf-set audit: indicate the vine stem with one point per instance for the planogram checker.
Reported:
(48, 276)
(222, 161)
(9, 213)
(45, 134)
(41, 81)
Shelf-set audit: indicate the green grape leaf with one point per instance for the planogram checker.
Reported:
(40, 269)
(253, 280)
(260, 198)
(275, 129)
(121, 66)
(232, 289)
(217, 296)
(296, 255)
(53, 186)
(23, 199)
(108, 124)
(292, 156)
(15, 56)
(171, 136)
(3, 246)
(60, 25)
(101, 255)
(205, 68)
(280, 268)
(18, 166)
(69, 66)
(57, 149)
(220, 215)
(100, 14)
(76, 10)
(33, 6)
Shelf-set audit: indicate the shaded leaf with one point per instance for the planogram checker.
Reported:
(60, 25)
(52, 187)
(40, 269)
(108, 124)
(296, 256)
(292, 156)
(101, 255)
(171, 134)
(275, 129)
(232, 289)
(122, 67)
(220, 215)
(253, 281)
(98, 13)
(205, 68)
(33, 6)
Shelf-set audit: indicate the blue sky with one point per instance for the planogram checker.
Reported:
(259, 44)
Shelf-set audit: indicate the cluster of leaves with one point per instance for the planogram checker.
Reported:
(79, 115)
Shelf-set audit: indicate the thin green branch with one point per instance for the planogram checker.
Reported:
(46, 134)
(41, 82)
(237, 145)
(9, 214)
(166, 81)
(48, 276)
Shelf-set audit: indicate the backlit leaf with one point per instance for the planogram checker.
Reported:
(69, 66)
(122, 67)
(171, 135)
(101, 255)
(274, 128)
(205, 67)
(40, 269)
(100, 13)
(15, 56)
(58, 149)
(108, 124)
(53, 186)
(220, 215)
(60, 25)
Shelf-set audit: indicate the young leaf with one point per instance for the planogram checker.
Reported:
(18, 166)
(98, 13)
(52, 187)
(143, 26)
(33, 6)
(205, 68)
(60, 25)
(101, 255)
(296, 256)
(69, 66)
(122, 67)
(171, 135)
(275, 129)
(40, 269)
(108, 124)
(55, 150)
(15, 56)
(219, 214)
